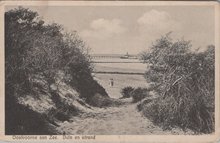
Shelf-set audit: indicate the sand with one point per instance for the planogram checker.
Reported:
(122, 120)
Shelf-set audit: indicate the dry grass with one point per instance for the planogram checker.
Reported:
(185, 83)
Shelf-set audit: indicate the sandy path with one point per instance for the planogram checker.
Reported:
(123, 120)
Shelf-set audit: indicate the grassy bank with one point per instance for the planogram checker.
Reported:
(184, 81)
(48, 74)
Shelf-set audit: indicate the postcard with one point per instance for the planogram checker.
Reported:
(109, 71)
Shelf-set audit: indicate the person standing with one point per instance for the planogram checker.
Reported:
(111, 82)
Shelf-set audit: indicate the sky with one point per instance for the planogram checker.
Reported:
(132, 29)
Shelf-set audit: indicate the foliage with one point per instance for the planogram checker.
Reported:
(35, 48)
(139, 93)
(127, 92)
(185, 81)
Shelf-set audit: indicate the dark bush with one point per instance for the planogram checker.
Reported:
(140, 93)
(127, 92)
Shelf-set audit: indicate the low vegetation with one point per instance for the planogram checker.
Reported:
(127, 92)
(137, 94)
(184, 81)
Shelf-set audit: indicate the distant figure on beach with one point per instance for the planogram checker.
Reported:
(111, 82)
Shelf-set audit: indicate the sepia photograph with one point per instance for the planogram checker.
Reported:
(110, 69)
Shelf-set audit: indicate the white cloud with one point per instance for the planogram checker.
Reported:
(157, 22)
(154, 23)
(104, 28)
(153, 17)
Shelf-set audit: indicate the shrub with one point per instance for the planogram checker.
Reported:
(185, 83)
(127, 92)
(139, 93)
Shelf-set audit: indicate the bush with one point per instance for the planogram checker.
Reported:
(127, 92)
(185, 83)
(170, 113)
(139, 93)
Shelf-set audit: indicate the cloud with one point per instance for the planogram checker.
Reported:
(157, 22)
(153, 17)
(112, 36)
(153, 24)
(104, 28)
